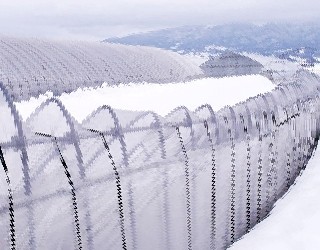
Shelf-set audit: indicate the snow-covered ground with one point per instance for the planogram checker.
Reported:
(294, 222)
(161, 98)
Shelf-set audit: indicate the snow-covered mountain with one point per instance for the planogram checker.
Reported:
(305, 56)
(282, 49)
(295, 42)
(263, 39)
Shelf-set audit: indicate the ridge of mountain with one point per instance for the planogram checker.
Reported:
(264, 39)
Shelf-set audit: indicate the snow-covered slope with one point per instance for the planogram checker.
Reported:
(294, 221)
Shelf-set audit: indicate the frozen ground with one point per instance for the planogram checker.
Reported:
(161, 98)
(294, 222)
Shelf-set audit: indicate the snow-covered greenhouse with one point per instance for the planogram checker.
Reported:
(134, 179)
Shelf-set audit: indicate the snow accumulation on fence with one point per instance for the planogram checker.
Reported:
(194, 178)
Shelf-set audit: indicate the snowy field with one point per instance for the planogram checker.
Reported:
(161, 98)
(293, 223)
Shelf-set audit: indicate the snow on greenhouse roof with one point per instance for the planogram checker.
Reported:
(29, 67)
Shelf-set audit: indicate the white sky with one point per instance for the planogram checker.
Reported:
(99, 19)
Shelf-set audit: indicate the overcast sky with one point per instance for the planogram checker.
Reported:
(99, 19)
